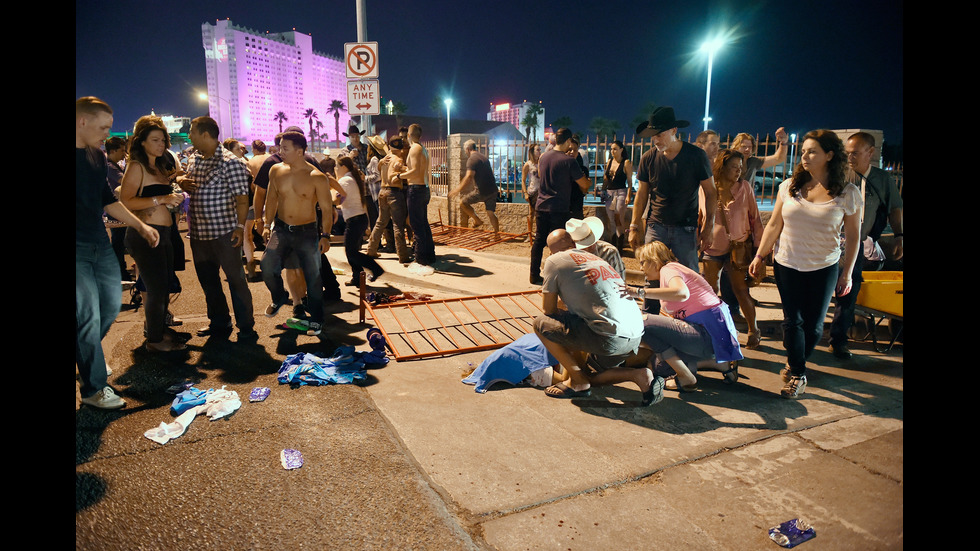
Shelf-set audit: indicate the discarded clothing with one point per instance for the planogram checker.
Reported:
(344, 367)
(191, 403)
(512, 363)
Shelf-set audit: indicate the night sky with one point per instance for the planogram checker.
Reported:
(830, 64)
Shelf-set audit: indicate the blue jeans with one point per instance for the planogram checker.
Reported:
(805, 297)
(304, 243)
(418, 218)
(98, 293)
(212, 256)
(682, 241)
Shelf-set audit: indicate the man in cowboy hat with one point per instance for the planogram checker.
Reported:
(670, 175)
(585, 235)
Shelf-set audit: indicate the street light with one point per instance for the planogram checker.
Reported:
(204, 96)
(792, 154)
(710, 47)
(448, 103)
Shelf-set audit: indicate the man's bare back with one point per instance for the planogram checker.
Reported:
(294, 193)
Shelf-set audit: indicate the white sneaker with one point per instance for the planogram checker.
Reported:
(104, 399)
(108, 370)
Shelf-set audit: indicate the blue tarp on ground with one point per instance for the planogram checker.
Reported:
(512, 363)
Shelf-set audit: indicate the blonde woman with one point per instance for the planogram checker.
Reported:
(698, 329)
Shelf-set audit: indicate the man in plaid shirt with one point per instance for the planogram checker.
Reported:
(218, 183)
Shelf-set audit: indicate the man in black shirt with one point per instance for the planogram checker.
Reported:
(97, 277)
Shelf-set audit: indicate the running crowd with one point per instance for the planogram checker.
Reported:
(591, 322)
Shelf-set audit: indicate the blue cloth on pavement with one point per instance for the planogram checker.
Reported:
(344, 367)
(512, 363)
(187, 399)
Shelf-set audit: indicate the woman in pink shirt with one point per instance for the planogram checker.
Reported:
(698, 328)
(737, 220)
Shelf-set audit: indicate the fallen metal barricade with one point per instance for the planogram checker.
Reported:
(420, 329)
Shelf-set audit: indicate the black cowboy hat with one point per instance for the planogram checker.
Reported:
(661, 119)
(353, 130)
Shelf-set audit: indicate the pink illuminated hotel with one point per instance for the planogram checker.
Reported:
(252, 76)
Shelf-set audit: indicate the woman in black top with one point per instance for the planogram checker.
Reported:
(146, 190)
(617, 188)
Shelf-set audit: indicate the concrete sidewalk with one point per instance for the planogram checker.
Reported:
(417, 460)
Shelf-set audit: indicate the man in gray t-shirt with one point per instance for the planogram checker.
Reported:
(600, 320)
(481, 186)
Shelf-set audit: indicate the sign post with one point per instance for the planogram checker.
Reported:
(363, 93)
(363, 97)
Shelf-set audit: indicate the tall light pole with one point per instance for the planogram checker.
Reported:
(710, 47)
(205, 97)
(449, 104)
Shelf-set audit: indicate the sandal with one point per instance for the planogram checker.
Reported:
(753, 341)
(731, 375)
(560, 390)
(672, 384)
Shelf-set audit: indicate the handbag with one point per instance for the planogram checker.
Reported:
(742, 252)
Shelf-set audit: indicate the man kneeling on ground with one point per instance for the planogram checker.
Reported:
(600, 328)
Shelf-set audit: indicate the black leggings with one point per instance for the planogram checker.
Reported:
(156, 268)
(805, 297)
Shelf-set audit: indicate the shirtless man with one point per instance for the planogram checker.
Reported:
(417, 180)
(295, 188)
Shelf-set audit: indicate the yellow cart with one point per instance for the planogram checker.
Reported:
(882, 297)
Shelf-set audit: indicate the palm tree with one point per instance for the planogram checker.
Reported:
(603, 127)
(336, 106)
(562, 122)
(530, 122)
(532, 112)
(281, 118)
(310, 114)
(319, 129)
(438, 106)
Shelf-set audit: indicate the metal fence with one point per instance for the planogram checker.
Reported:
(507, 158)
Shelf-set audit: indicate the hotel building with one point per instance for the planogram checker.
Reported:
(514, 114)
(253, 76)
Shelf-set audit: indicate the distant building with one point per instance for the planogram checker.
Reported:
(174, 124)
(253, 76)
(514, 114)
